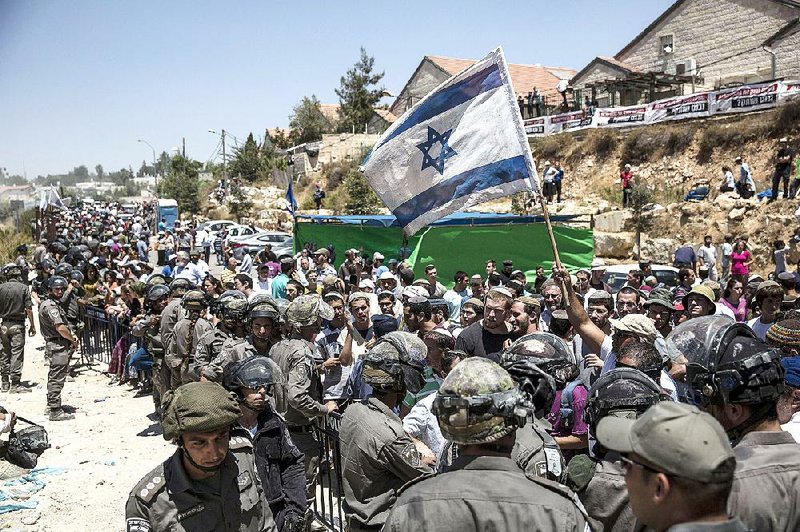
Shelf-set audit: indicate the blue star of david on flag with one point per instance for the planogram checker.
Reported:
(445, 153)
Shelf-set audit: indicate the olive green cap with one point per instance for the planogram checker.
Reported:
(674, 438)
(197, 407)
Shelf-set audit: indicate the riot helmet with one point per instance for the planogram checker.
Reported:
(231, 307)
(626, 392)
(155, 279)
(156, 294)
(12, 271)
(180, 286)
(47, 264)
(396, 363)
(63, 269)
(194, 301)
(57, 282)
(479, 403)
(76, 275)
(547, 351)
(254, 372)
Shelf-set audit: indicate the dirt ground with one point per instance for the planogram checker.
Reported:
(105, 450)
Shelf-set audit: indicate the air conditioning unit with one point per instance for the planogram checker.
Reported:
(686, 68)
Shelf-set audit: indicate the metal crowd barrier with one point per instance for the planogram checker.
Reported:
(327, 506)
(100, 334)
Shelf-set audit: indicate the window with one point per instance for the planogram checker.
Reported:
(667, 47)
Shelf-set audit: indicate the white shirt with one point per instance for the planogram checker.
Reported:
(727, 249)
(792, 427)
(724, 311)
(420, 423)
(759, 328)
(708, 254)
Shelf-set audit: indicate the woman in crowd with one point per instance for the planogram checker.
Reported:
(734, 299)
(212, 287)
(741, 259)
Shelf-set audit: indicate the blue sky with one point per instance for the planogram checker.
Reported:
(81, 81)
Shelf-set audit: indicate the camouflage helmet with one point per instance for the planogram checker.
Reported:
(547, 351)
(263, 306)
(478, 403)
(180, 285)
(622, 392)
(194, 300)
(63, 269)
(231, 306)
(12, 271)
(57, 281)
(396, 362)
(306, 310)
(197, 407)
(155, 279)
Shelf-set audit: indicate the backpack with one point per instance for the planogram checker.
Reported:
(566, 411)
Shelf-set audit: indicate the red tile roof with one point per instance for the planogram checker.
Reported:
(523, 77)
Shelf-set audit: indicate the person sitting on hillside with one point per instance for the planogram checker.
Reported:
(728, 182)
(745, 185)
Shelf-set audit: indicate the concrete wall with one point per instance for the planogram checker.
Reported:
(787, 52)
(344, 146)
(710, 31)
(427, 78)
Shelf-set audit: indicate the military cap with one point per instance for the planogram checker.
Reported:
(197, 407)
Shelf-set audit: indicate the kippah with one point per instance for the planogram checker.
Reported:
(784, 333)
(792, 367)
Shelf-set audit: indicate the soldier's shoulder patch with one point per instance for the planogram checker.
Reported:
(411, 455)
(137, 524)
(240, 442)
(151, 485)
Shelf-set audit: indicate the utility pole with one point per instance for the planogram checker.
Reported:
(224, 158)
(183, 147)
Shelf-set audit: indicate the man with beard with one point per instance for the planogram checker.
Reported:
(486, 337)
(524, 316)
(552, 301)
(628, 302)
(278, 462)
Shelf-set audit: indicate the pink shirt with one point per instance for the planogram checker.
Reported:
(739, 311)
(738, 266)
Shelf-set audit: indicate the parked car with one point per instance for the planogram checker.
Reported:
(241, 232)
(215, 226)
(617, 275)
(284, 248)
(259, 241)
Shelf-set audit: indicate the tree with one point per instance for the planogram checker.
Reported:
(182, 184)
(307, 121)
(81, 173)
(239, 205)
(358, 94)
(99, 171)
(280, 140)
(361, 199)
(247, 161)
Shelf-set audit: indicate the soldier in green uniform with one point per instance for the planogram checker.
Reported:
(535, 450)
(172, 313)
(15, 306)
(295, 357)
(60, 343)
(148, 328)
(39, 284)
(599, 481)
(210, 482)
(480, 408)
(231, 310)
(181, 345)
(378, 456)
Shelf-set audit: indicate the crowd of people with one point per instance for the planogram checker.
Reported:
(501, 403)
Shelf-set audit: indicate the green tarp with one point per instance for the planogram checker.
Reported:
(454, 248)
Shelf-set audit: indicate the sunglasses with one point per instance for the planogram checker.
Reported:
(628, 464)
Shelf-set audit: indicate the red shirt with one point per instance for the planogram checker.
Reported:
(627, 178)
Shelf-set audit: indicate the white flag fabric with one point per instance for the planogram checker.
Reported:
(463, 144)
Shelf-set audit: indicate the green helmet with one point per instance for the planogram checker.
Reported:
(12, 271)
(155, 279)
(478, 403)
(180, 285)
(197, 407)
(194, 300)
(263, 306)
(307, 310)
(231, 306)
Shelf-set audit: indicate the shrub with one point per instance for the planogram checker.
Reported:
(787, 119)
(551, 146)
(678, 139)
(640, 147)
(601, 142)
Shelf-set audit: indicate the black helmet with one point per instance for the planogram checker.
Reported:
(63, 269)
(726, 362)
(57, 281)
(253, 372)
(231, 306)
(22, 248)
(194, 300)
(547, 351)
(180, 286)
(76, 275)
(156, 292)
(537, 387)
(626, 391)
(47, 264)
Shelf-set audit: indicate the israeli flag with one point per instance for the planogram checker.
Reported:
(463, 144)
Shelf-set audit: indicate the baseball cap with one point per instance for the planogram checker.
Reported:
(387, 276)
(377, 256)
(323, 251)
(598, 264)
(637, 324)
(675, 438)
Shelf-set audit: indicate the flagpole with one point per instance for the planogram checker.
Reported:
(549, 226)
